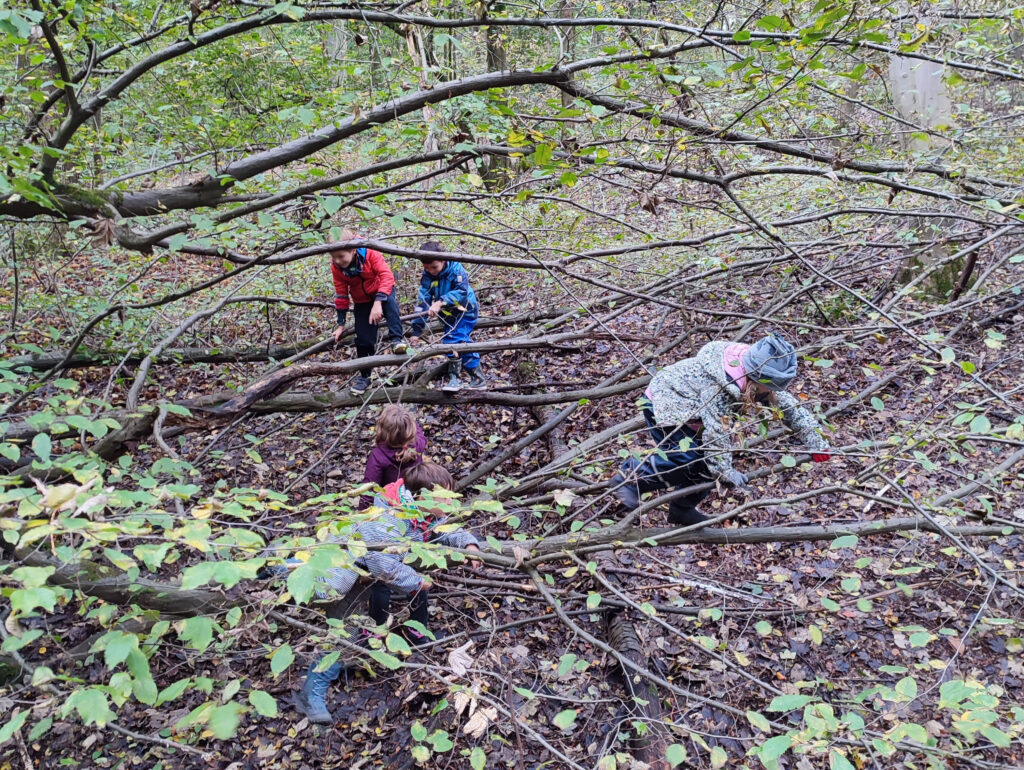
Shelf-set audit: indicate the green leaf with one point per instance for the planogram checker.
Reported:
(593, 600)
(116, 646)
(91, 705)
(223, 720)
(878, 403)
(418, 731)
(763, 628)
(8, 730)
(789, 702)
(25, 600)
(759, 720)
(331, 204)
(477, 758)
(42, 446)
(997, 736)
(197, 632)
(565, 720)
(385, 659)
(263, 702)
(173, 691)
(907, 688)
(838, 761)
(281, 658)
(675, 754)
(773, 748)
(788, 461)
(980, 424)
(844, 541)
(301, 581)
(420, 753)
(742, 35)
(718, 758)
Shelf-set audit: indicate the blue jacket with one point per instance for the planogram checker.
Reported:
(451, 286)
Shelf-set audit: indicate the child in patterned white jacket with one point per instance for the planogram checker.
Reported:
(685, 407)
(389, 569)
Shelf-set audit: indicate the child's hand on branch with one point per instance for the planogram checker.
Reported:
(338, 333)
(376, 313)
(474, 563)
(434, 309)
(414, 341)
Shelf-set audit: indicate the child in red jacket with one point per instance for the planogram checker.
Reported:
(363, 274)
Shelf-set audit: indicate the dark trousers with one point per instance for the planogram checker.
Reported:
(366, 332)
(670, 466)
(380, 604)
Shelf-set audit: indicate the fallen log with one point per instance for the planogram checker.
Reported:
(214, 355)
(643, 701)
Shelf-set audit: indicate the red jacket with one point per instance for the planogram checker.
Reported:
(374, 282)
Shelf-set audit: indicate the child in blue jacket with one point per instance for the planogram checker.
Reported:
(445, 293)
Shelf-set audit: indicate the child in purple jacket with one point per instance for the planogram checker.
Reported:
(400, 446)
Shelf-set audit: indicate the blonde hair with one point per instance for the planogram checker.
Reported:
(396, 428)
(428, 475)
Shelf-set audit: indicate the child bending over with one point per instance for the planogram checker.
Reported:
(390, 571)
(685, 405)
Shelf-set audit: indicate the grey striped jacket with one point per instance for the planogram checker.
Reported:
(389, 568)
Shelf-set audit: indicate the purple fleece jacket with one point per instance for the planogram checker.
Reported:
(383, 468)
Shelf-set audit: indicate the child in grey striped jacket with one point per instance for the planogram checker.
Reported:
(389, 569)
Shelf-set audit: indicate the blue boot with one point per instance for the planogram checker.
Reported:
(311, 700)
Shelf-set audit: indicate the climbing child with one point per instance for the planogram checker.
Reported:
(363, 274)
(686, 403)
(445, 293)
(410, 516)
(400, 446)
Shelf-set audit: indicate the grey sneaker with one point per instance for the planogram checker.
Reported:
(359, 385)
(399, 347)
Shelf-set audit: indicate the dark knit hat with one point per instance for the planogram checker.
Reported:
(771, 362)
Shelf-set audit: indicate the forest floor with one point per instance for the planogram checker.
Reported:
(736, 624)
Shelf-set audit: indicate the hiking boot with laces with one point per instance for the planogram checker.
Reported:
(311, 701)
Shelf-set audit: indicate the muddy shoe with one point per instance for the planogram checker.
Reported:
(359, 385)
(416, 639)
(626, 492)
(475, 379)
(399, 347)
(684, 515)
(453, 385)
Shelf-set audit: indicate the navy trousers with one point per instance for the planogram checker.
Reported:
(670, 466)
(366, 332)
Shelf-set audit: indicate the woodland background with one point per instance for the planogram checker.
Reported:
(625, 181)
